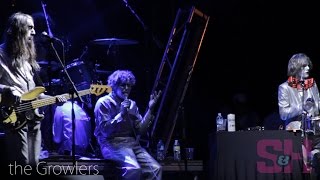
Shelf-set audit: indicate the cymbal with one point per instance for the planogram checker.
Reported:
(102, 71)
(45, 62)
(53, 82)
(114, 41)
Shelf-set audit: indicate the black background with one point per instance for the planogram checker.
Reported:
(246, 48)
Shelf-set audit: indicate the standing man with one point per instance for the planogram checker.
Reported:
(18, 76)
(298, 101)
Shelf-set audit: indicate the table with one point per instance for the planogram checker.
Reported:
(256, 155)
(189, 169)
(189, 165)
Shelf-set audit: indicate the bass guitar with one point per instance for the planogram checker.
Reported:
(28, 105)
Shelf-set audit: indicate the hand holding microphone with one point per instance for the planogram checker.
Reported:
(125, 105)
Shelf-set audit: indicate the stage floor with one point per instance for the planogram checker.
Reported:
(68, 167)
(94, 166)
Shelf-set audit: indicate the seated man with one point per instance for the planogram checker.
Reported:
(62, 129)
(118, 122)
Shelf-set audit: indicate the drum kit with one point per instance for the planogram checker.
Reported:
(79, 70)
(313, 125)
(114, 42)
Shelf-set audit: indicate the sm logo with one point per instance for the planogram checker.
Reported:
(278, 156)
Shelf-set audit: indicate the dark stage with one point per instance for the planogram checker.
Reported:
(245, 50)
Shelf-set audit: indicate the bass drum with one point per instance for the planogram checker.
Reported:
(79, 75)
(315, 125)
(55, 87)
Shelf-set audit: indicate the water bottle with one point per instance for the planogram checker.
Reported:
(176, 151)
(220, 123)
(231, 122)
(160, 150)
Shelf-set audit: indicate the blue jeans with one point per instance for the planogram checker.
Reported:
(134, 162)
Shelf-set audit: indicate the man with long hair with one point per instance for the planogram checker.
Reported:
(299, 103)
(18, 77)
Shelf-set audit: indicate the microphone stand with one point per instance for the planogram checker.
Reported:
(49, 29)
(73, 91)
(46, 17)
(304, 117)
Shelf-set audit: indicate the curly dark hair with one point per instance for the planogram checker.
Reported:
(121, 76)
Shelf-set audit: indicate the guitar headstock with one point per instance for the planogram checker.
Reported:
(98, 89)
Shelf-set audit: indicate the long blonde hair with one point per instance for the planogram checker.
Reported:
(296, 62)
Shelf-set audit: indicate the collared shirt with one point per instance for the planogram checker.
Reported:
(62, 127)
(109, 122)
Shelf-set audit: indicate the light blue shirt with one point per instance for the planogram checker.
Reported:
(62, 127)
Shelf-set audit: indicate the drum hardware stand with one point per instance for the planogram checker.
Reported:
(146, 28)
(149, 36)
(95, 74)
(84, 52)
(155, 40)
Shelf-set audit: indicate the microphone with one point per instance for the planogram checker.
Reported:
(50, 38)
(127, 99)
